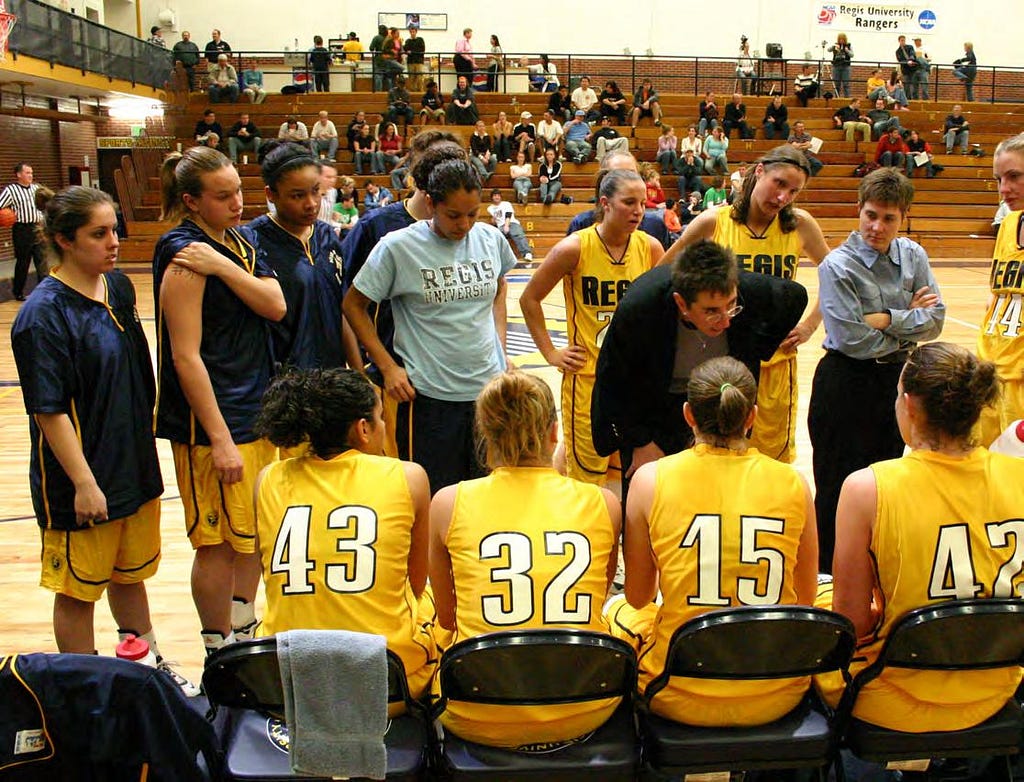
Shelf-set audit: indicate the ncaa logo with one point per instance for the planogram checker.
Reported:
(827, 14)
(926, 20)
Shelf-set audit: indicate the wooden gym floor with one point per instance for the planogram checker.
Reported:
(25, 608)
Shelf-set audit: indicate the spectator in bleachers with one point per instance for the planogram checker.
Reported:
(894, 86)
(549, 133)
(842, 55)
(877, 88)
(715, 147)
(694, 206)
(323, 138)
(346, 186)
(464, 61)
(399, 104)
(355, 127)
(293, 129)
(805, 85)
(394, 54)
(673, 225)
(882, 120)
(746, 71)
(576, 133)
(346, 214)
(156, 37)
(916, 147)
(216, 47)
(432, 105)
(645, 104)
(208, 131)
(462, 110)
(667, 146)
(187, 53)
(377, 56)
(320, 65)
(389, 149)
(481, 152)
(415, 48)
(801, 139)
(521, 173)
(524, 135)
(654, 194)
(328, 191)
(966, 70)
(606, 140)
(550, 176)
(849, 119)
(584, 97)
(522, 503)
(923, 75)
(543, 75)
(909, 66)
(693, 142)
(689, 168)
(501, 134)
(376, 196)
(560, 104)
(253, 90)
(956, 131)
(504, 218)
(223, 82)
(708, 114)
(495, 64)
(613, 102)
(244, 135)
(400, 175)
(736, 117)
(891, 151)
(364, 148)
(716, 195)
(736, 182)
(776, 119)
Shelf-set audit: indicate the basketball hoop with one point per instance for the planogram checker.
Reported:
(7, 22)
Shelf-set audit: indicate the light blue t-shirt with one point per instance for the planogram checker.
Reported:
(442, 294)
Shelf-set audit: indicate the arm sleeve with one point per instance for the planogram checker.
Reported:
(377, 277)
(43, 357)
(921, 323)
(843, 313)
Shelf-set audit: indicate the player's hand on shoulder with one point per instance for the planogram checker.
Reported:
(201, 258)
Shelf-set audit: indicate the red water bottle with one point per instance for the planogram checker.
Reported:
(1010, 442)
(137, 650)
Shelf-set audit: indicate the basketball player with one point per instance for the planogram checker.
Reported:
(768, 235)
(214, 300)
(596, 266)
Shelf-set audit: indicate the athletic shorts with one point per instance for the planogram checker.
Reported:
(438, 435)
(582, 461)
(80, 563)
(1007, 409)
(218, 512)
(775, 426)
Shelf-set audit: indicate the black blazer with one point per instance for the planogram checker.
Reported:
(631, 405)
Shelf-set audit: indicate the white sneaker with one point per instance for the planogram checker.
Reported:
(247, 632)
(186, 686)
(528, 257)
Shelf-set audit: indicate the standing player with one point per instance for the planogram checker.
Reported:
(1000, 340)
(305, 254)
(87, 379)
(500, 547)
(942, 522)
(20, 196)
(716, 525)
(768, 235)
(446, 281)
(214, 298)
(596, 266)
(343, 531)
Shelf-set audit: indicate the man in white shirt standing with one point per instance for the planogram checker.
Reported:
(323, 138)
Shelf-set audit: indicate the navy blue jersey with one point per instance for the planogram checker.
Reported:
(235, 346)
(651, 224)
(90, 361)
(309, 336)
(356, 249)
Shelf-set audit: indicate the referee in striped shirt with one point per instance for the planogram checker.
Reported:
(20, 196)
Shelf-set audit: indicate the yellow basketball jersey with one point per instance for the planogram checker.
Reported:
(529, 548)
(1001, 340)
(334, 541)
(595, 288)
(725, 529)
(946, 528)
(774, 253)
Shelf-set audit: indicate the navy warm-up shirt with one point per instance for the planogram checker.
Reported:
(235, 345)
(89, 360)
(309, 336)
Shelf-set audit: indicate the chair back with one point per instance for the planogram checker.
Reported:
(537, 667)
(247, 675)
(757, 642)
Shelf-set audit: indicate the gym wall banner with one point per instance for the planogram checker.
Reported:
(898, 18)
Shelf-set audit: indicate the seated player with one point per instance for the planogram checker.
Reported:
(716, 525)
(342, 531)
(500, 548)
(940, 523)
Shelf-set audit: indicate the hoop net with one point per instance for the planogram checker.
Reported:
(7, 22)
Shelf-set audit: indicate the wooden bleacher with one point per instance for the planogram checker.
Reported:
(951, 216)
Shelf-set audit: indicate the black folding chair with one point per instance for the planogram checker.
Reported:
(958, 635)
(245, 677)
(749, 643)
(539, 668)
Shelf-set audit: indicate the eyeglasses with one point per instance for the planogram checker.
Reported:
(718, 317)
